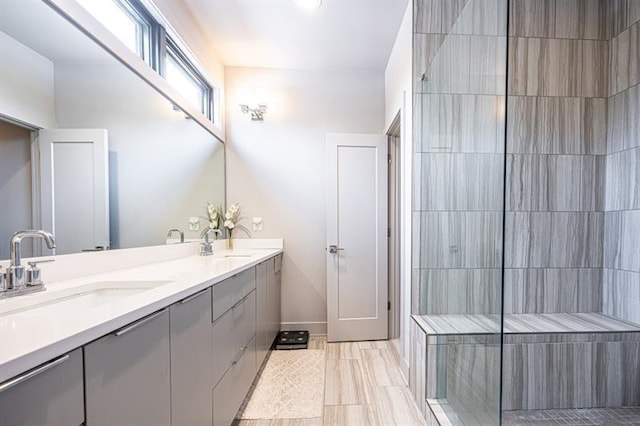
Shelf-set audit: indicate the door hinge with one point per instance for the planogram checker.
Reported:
(389, 158)
(388, 232)
(388, 306)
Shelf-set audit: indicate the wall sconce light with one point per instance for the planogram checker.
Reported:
(257, 113)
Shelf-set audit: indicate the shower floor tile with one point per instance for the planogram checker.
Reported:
(584, 416)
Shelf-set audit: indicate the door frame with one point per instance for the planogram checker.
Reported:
(393, 218)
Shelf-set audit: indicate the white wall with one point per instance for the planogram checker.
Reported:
(26, 84)
(276, 168)
(398, 98)
(163, 168)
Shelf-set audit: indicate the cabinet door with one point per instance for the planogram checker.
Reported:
(191, 354)
(127, 375)
(231, 390)
(262, 321)
(273, 299)
(51, 394)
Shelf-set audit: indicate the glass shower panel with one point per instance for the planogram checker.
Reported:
(572, 264)
(459, 166)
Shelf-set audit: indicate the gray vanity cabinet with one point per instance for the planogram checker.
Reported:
(234, 386)
(127, 378)
(191, 355)
(262, 325)
(50, 394)
(274, 267)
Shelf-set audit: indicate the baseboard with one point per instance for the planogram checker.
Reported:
(315, 328)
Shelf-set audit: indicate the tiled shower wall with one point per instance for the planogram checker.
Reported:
(621, 279)
(556, 161)
(459, 87)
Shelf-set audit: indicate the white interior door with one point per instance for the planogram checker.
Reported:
(357, 228)
(74, 188)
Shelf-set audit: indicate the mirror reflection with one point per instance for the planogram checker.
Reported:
(88, 150)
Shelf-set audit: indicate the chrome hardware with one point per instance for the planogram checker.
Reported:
(33, 273)
(17, 380)
(138, 323)
(206, 247)
(334, 249)
(179, 231)
(193, 296)
(16, 282)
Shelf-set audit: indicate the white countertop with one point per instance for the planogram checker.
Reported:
(37, 338)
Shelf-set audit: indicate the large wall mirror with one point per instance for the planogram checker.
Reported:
(83, 140)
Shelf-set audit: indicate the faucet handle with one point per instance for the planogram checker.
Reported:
(33, 273)
(35, 263)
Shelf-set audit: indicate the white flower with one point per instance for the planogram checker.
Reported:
(228, 216)
(229, 224)
(234, 208)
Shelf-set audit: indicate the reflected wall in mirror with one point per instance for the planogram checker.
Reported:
(162, 167)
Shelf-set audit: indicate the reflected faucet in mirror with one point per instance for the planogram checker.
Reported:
(15, 282)
(179, 231)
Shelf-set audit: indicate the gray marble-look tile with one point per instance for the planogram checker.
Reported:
(425, 48)
(624, 60)
(623, 180)
(621, 295)
(341, 415)
(623, 126)
(460, 291)
(461, 182)
(449, 71)
(582, 19)
(552, 290)
(394, 405)
(555, 182)
(417, 363)
(558, 67)
(473, 382)
(460, 239)
(532, 18)
(633, 12)
(554, 240)
(459, 123)
(617, 19)
(436, 16)
(380, 368)
(482, 17)
(488, 62)
(622, 234)
(545, 125)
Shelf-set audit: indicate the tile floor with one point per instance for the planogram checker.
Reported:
(363, 386)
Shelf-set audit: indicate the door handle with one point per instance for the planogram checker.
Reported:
(334, 248)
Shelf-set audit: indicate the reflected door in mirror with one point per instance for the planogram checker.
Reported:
(75, 188)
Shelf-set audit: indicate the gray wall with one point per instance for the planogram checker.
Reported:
(556, 144)
(459, 95)
(459, 87)
(15, 185)
(621, 279)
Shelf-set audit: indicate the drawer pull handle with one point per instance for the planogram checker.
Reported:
(240, 353)
(137, 324)
(193, 296)
(16, 381)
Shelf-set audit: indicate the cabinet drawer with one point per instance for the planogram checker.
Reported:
(231, 332)
(51, 394)
(228, 292)
(231, 390)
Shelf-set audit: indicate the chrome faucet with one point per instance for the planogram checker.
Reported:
(15, 280)
(206, 248)
(179, 231)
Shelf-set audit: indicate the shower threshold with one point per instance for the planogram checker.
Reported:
(580, 416)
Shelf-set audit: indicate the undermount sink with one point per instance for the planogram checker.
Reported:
(86, 296)
(237, 254)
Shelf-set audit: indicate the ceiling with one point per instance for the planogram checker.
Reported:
(340, 35)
